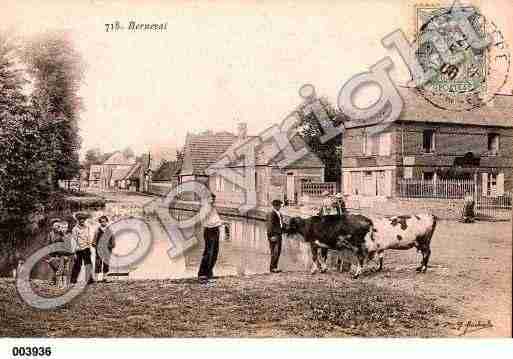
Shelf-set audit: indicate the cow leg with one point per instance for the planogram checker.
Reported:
(426, 253)
(359, 267)
(340, 262)
(315, 263)
(324, 260)
(380, 258)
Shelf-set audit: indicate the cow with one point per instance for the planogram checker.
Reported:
(403, 232)
(364, 237)
(332, 232)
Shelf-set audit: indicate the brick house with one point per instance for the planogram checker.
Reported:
(428, 143)
(271, 181)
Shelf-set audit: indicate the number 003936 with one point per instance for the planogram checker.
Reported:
(31, 351)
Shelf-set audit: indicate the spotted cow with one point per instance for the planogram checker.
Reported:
(402, 232)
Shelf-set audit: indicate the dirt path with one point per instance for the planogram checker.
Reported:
(470, 272)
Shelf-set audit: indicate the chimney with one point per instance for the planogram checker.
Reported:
(242, 130)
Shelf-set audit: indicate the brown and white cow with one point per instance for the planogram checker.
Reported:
(401, 232)
(365, 238)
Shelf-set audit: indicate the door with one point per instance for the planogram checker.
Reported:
(380, 183)
(369, 183)
(290, 187)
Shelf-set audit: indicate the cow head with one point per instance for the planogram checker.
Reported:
(296, 226)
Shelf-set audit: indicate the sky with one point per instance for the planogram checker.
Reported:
(218, 63)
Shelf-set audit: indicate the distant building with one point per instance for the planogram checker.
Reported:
(118, 172)
(428, 143)
(271, 181)
(166, 177)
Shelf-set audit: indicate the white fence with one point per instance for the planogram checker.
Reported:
(441, 188)
(487, 203)
(315, 189)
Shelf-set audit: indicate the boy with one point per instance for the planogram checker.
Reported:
(211, 235)
(82, 235)
(101, 265)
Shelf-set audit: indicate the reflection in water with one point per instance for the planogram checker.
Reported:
(244, 248)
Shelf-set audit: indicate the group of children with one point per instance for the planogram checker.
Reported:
(79, 243)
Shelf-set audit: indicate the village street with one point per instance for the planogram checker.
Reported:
(468, 284)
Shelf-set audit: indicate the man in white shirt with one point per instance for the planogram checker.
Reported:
(83, 238)
(274, 223)
(212, 227)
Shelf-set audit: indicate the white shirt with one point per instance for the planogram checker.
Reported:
(213, 219)
(82, 236)
(279, 216)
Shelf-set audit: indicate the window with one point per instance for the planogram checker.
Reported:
(367, 144)
(356, 182)
(428, 176)
(219, 183)
(407, 172)
(428, 141)
(493, 143)
(385, 144)
(492, 184)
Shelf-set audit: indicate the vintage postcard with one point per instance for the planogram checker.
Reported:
(256, 169)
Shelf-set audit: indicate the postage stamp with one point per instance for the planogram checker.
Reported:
(481, 72)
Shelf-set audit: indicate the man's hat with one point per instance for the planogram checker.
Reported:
(325, 193)
(103, 217)
(81, 215)
(55, 220)
(276, 202)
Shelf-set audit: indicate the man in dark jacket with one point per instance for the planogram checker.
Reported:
(101, 265)
(274, 234)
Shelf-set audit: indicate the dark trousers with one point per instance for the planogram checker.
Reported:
(100, 266)
(275, 248)
(82, 256)
(208, 261)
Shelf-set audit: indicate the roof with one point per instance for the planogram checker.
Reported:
(498, 113)
(134, 172)
(120, 173)
(167, 171)
(265, 154)
(118, 158)
(202, 150)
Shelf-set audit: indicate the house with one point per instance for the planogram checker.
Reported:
(119, 172)
(427, 143)
(271, 181)
(200, 151)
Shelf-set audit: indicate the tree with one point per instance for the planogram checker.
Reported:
(12, 99)
(23, 163)
(57, 72)
(311, 115)
(93, 156)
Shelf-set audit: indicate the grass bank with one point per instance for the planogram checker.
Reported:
(282, 305)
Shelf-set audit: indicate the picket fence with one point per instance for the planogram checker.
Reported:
(487, 203)
(315, 189)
